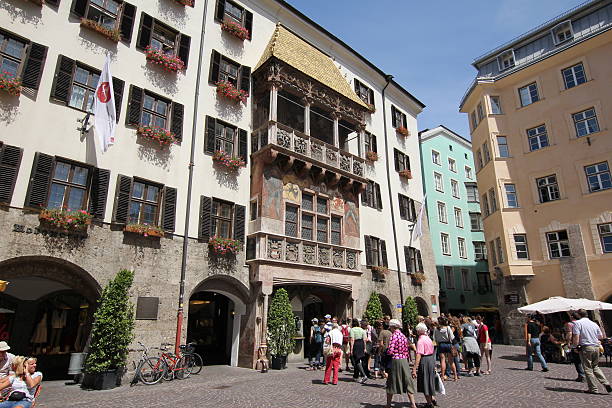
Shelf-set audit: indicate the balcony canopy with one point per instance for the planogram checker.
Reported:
(294, 51)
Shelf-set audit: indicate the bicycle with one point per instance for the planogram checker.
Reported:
(148, 370)
(193, 359)
(175, 365)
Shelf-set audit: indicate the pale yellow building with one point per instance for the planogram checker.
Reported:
(540, 112)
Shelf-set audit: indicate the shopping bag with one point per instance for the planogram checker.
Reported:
(440, 385)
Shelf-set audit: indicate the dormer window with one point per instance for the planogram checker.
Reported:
(562, 32)
(505, 60)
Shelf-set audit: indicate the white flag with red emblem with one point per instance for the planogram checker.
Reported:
(104, 109)
(418, 228)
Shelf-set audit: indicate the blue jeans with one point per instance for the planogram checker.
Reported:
(534, 345)
(12, 404)
(316, 354)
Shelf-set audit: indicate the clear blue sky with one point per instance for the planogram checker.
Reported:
(428, 46)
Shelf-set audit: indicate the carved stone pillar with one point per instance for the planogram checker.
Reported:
(307, 102)
(360, 129)
(336, 117)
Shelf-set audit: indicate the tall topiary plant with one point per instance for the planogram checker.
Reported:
(410, 312)
(113, 326)
(281, 324)
(373, 310)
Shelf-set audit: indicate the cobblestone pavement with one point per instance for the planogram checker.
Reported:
(508, 386)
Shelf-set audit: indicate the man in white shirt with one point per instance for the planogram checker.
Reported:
(6, 359)
(586, 335)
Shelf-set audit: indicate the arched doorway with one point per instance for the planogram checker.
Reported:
(422, 307)
(214, 316)
(46, 310)
(387, 307)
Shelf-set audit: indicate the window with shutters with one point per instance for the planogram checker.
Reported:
(154, 111)
(146, 108)
(229, 11)
(407, 208)
(68, 186)
(83, 90)
(371, 196)
(221, 136)
(10, 160)
(402, 161)
(376, 251)
(20, 58)
(370, 142)
(144, 203)
(111, 15)
(414, 261)
(221, 219)
(365, 94)
(163, 38)
(398, 118)
(224, 69)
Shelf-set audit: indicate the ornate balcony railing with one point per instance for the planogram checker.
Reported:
(296, 251)
(308, 148)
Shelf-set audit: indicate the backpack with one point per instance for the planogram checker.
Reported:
(345, 334)
(318, 337)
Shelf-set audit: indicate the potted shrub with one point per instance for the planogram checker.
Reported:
(111, 334)
(235, 29)
(373, 310)
(169, 62)
(65, 220)
(229, 162)
(227, 90)
(113, 35)
(224, 246)
(410, 313)
(402, 131)
(407, 174)
(281, 329)
(162, 136)
(145, 230)
(371, 156)
(10, 84)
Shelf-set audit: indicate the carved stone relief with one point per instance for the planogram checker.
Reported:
(309, 254)
(351, 260)
(338, 258)
(291, 252)
(324, 255)
(275, 248)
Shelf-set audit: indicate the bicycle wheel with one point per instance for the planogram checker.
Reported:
(169, 373)
(195, 361)
(152, 370)
(183, 368)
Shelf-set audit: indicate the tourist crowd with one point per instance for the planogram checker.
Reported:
(19, 380)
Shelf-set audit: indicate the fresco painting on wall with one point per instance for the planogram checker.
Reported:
(351, 218)
(337, 205)
(272, 193)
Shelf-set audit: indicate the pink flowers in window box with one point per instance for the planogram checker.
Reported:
(162, 136)
(235, 29)
(418, 278)
(230, 162)
(189, 3)
(229, 91)
(10, 84)
(113, 35)
(371, 156)
(65, 220)
(224, 246)
(145, 230)
(402, 131)
(406, 174)
(169, 62)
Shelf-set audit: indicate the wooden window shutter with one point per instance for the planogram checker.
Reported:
(419, 260)
(176, 126)
(396, 159)
(134, 106)
(393, 120)
(118, 86)
(169, 210)
(220, 10)
(383, 252)
(40, 178)
(248, 23)
(211, 124)
(215, 60)
(407, 259)
(205, 208)
(122, 199)
(98, 193)
(63, 79)
(79, 7)
(368, 249)
(183, 50)
(34, 66)
(378, 197)
(239, 221)
(371, 96)
(10, 159)
(407, 162)
(145, 31)
(245, 79)
(126, 25)
(402, 208)
(243, 146)
(373, 146)
(412, 211)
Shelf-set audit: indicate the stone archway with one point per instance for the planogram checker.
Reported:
(216, 307)
(422, 306)
(387, 306)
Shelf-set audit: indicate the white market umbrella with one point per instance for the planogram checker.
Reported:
(560, 304)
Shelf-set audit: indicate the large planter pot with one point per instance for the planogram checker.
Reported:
(100, 381)
(278, 362)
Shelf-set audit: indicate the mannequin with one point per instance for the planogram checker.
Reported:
(58, 322)
(40, 335)
(78, 343)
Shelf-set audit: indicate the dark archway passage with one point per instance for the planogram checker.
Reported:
(422, 307)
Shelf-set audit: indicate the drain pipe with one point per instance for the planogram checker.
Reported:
(179, 315)
(389, 78)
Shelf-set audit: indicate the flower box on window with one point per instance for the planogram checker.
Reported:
(162, 136)
(169, 62)
(418, 278)
(230, 162)
(144, 230)
(65, 220)
(235, 29)
(229, 91)
(383, 270)
(402, 131)
(371, 107)
(189, 3)
(113, 35)
(224, 246)
(10, 84)
(371, 156)
(407, 174)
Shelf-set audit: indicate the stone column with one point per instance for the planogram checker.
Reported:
(235, 340)
(307, 102)
(273, 102)
(336, 117)
(360, 129)
(575, 269)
